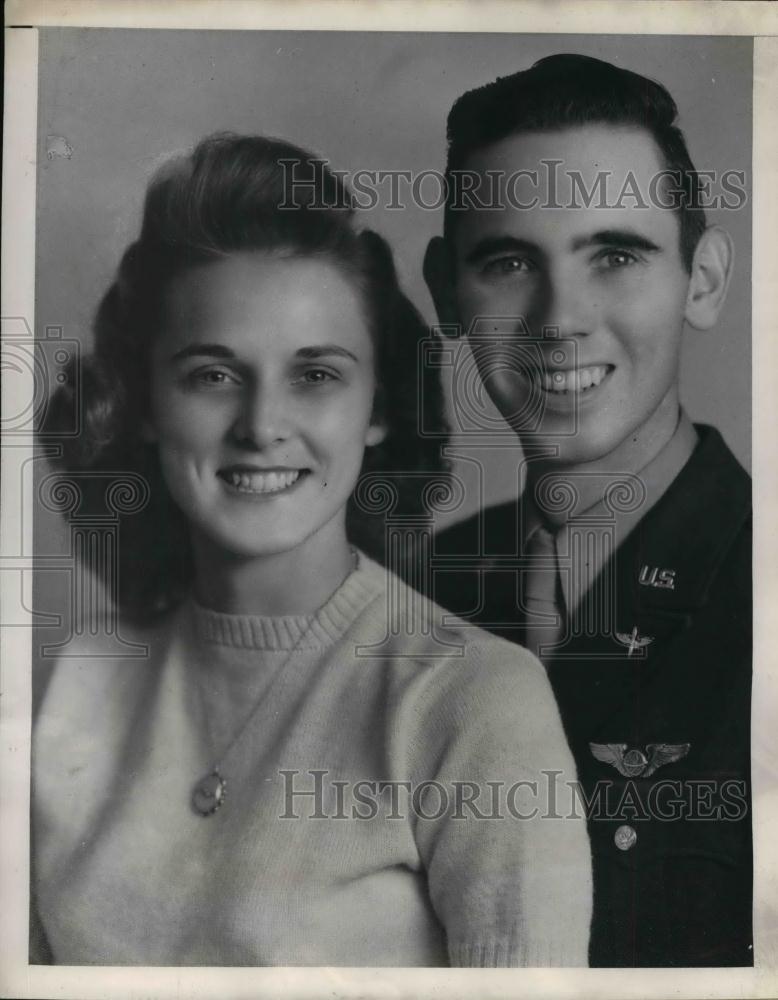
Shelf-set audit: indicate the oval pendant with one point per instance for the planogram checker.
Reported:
(208, 794)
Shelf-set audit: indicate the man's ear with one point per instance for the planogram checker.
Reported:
(439, 275)
(711, 271)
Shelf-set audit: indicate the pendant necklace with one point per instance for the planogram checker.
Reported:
(210, 791)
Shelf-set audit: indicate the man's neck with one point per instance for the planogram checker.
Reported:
(589, 479)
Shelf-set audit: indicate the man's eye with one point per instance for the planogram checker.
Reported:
(618, 258)
(507, 265)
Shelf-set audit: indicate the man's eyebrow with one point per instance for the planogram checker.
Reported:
(499, 244)
(626, 238)
(325, 350)
(203, 350)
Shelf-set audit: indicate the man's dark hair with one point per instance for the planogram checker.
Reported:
(564, 91)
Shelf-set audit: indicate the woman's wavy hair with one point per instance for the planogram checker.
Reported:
(234, 194)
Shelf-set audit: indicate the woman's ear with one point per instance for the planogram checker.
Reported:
(376, 433)
(148, 432)
(711, 271)
(439, 275)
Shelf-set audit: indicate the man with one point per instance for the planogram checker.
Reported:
(574, 253)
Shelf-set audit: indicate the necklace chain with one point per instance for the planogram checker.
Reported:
(210, 791)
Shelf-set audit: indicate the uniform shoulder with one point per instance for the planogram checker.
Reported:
(717, 471)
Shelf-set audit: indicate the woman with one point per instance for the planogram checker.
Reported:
(282, 781)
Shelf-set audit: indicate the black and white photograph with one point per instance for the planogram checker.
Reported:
(385, 406)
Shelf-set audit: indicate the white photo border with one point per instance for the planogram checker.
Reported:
(23, 17)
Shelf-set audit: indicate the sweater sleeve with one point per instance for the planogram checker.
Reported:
(497, 823)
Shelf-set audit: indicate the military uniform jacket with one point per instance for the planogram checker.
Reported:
(660, 733)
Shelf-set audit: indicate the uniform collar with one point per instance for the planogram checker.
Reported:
(591, 488)
(609, 503)
(691, 528)
(687, 534)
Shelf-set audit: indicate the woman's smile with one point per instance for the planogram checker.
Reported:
(248, 482)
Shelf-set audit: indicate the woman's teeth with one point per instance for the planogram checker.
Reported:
(262, 482)
(576, 380)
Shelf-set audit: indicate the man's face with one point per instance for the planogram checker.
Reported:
(610, 279)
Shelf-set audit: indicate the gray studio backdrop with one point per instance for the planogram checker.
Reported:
(114, 103)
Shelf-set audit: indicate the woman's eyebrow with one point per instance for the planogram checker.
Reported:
(203, 350)
(325, 350)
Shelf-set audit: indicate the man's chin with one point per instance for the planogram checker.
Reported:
(571, 449)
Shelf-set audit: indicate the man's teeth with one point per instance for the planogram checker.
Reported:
(576, 380)
(263, 482)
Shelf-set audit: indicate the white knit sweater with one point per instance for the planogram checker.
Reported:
(127, 873)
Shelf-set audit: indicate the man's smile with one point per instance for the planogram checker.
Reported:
(564, 381)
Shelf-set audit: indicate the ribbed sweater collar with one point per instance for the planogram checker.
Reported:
(316, 631)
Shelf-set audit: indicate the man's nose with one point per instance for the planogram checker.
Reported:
(564, 304)
(264, 417)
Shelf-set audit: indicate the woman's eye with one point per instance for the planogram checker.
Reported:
(212, 377)
(316, 376)
(508, 265)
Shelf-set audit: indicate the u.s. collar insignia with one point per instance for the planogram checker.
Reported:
(653, 576)
(634, 763)
(634, 641)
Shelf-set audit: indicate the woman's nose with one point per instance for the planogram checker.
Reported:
(263, 418)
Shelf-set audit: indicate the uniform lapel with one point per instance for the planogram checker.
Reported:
(661, 575)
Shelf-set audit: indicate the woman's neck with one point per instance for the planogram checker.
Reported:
(294, 582)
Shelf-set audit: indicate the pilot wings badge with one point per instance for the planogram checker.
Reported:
(634, 763)
(634, 641)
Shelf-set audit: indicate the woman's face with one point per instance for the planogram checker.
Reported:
(262, 392)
